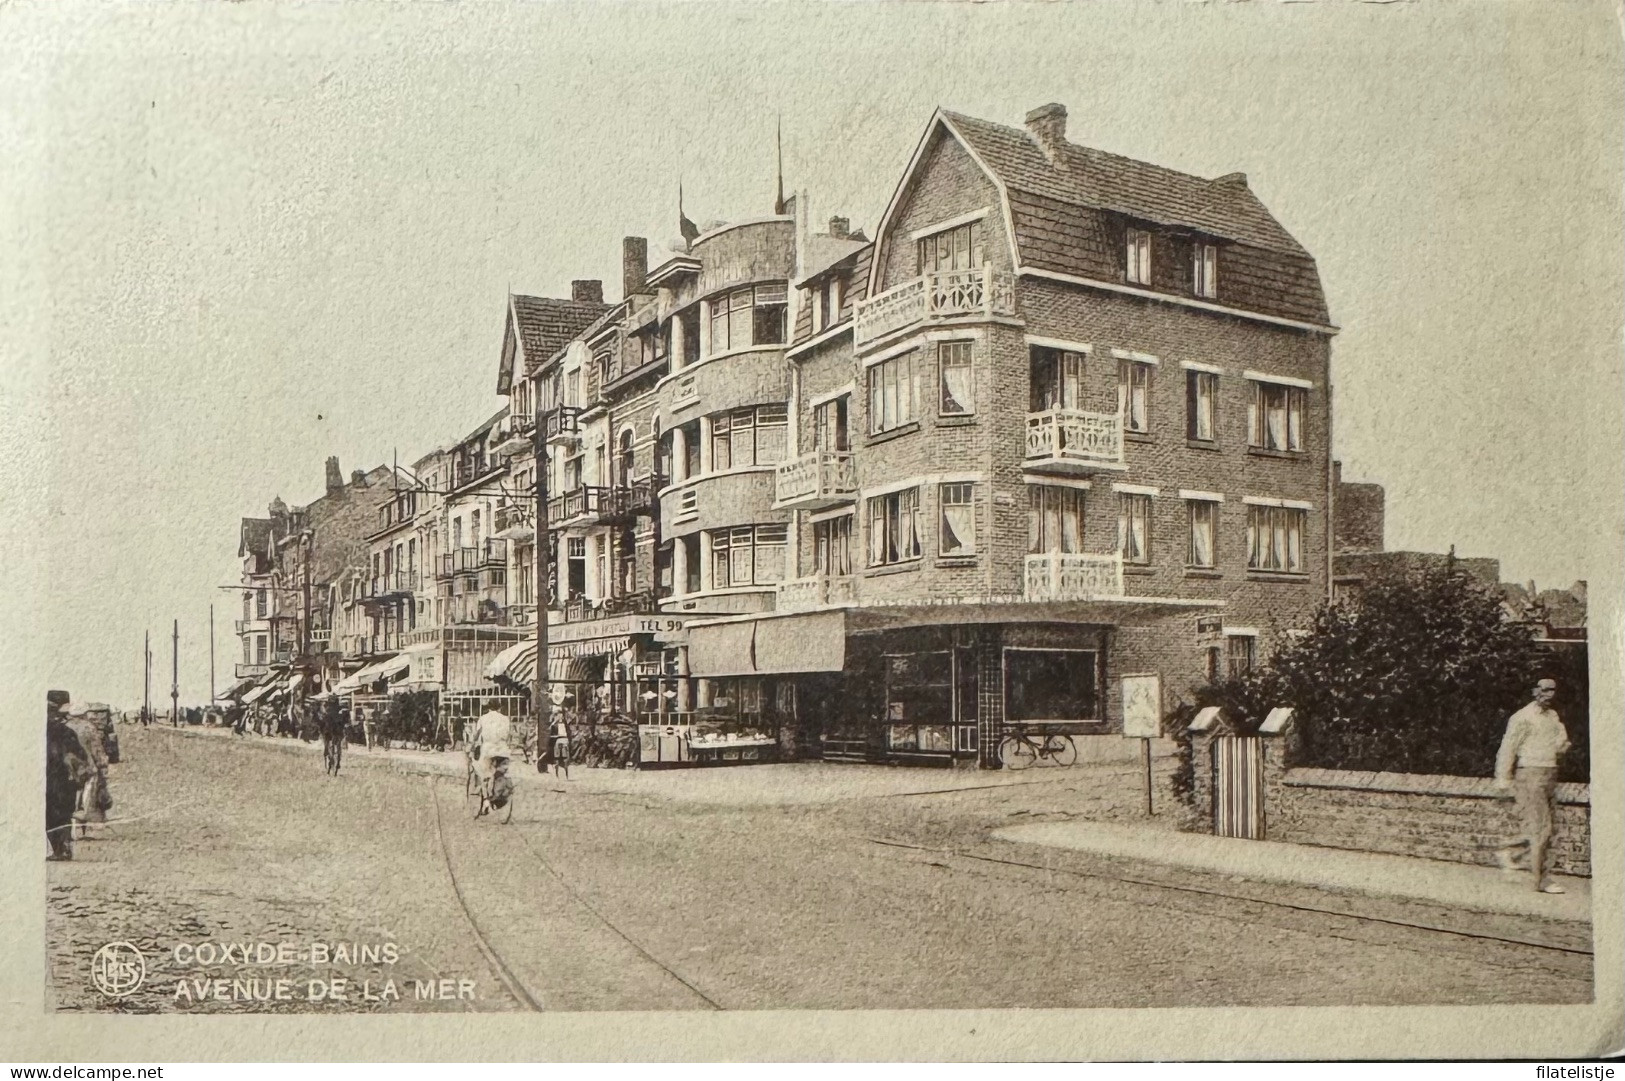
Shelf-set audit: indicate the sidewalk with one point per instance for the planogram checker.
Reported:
(1457, 885)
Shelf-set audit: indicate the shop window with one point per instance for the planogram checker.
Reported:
(1054, 519)
(894, 527)
(919, 702)
(832, 546)
(956, 395)
(1201, 406)
(1204, 532)
(1051, 685)
(958, 527)
(1134, 527)
(1054, 379)
(891, 393)
(1275, 539)
(1134, 395)
(1275, 417)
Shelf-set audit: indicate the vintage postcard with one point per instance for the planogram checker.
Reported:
(825, 531)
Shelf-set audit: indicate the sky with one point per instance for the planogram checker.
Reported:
(249, 237)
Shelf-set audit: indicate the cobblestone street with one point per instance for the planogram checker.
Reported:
(871, 888)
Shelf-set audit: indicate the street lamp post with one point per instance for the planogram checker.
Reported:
(541, 702)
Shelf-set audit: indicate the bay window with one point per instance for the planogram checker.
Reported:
(1275, 538)
(894, 527)
(754, 315)
(1275, 417)
(958, 528)
(891, 393)
(748, 555)
(748, 437)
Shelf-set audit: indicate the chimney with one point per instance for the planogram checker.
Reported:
(335, 476)
(1234, 180)
(1047, 125)
(840, 228)
(589, 291)
(359, 478)
(634, 265)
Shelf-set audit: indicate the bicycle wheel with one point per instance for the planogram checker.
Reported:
(471, 782)
(507, 811)
(1016, 752)
(1061, 750)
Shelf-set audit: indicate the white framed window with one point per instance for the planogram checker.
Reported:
(1054, 519)
(956, 394)
(754, 315)
(959, 248)
(830, 425)
(1134, 395)
(1205, 269)
(1201, 406)
(891, 393)
(747, 437)
(1275, 538)
(1137, 257)
(748, 555)
(1134, 527)
(1275, 417)
(1054, 378)
(1203, 515)
(957, 535)
(826, 302)
(894, 527)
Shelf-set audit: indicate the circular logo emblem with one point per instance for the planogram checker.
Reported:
(118, 969)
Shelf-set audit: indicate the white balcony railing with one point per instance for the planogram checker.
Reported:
(815, 591)
(938, 295)
(1071, 438)
(817, 479)
(1073, 576)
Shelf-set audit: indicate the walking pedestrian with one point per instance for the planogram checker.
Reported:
(561, 745)
(1526, 771)
(94, 798)
(66, 769)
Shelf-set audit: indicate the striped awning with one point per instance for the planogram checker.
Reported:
(516, 664)
(566, 662)
(365, 677)
(256, 694)
(237, 689)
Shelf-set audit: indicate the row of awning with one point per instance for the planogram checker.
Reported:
(566, 661)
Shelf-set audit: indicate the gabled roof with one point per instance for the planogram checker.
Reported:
(824, 252)
(544, 325)
(1223, 207)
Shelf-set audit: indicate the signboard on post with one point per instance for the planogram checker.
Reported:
(1142, 706)
(1209, 630)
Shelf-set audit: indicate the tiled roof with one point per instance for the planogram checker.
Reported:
(857, 287)
(547, 325)
(1224, 207)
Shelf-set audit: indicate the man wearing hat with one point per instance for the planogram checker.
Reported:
(67, 768)
(1526, 770)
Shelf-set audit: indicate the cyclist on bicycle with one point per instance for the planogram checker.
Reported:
(489, 747)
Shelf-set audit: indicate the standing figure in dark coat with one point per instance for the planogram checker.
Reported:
(67, 768)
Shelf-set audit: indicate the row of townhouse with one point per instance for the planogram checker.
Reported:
(1058, 432)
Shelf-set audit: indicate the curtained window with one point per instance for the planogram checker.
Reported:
(1055, 379)
(891, 393)
(1275, 417)
(1134, 527)
(1137, 257)
(894, 527)
(832, 546)
(1201, 406)
(1054, 519)
(958, 532)
(1204, 518)
(1205, 269)
(956, 398)
(1134, 395)
(1275, 538)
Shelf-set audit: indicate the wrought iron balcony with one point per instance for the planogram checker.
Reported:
(1073, 576)
(390, 586)
(492, 553)
(1073, 441)
(818, 479)
(816, 591)
(941, 294)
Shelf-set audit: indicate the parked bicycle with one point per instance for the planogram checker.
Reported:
(1020, 749)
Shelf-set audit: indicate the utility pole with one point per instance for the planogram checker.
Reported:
(211, 654)
(175, 678)
(542, 702)
(146, 678)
